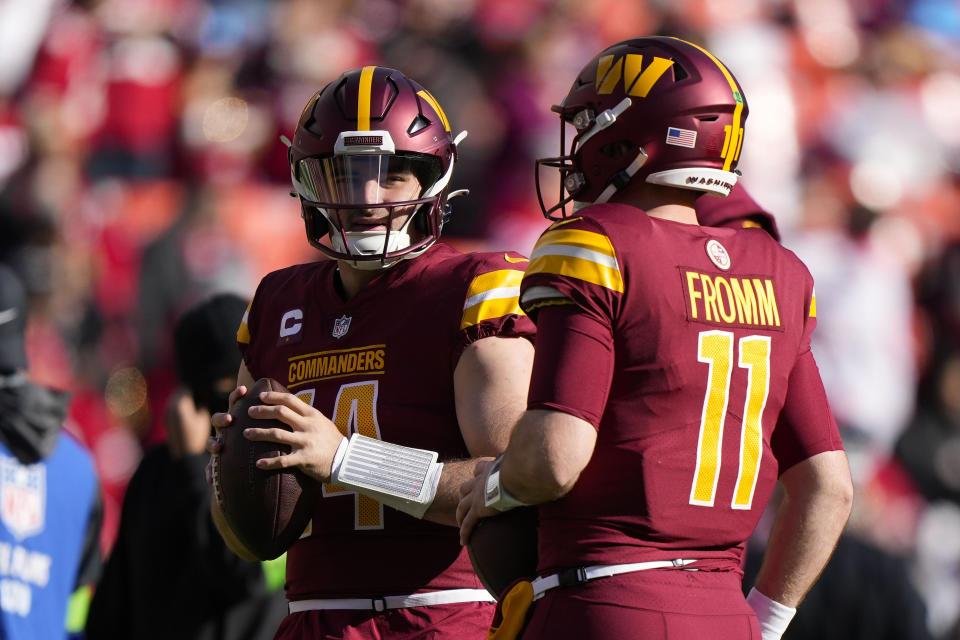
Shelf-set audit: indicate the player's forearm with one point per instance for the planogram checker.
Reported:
(547, 452)
(808, 524)
(444, 507)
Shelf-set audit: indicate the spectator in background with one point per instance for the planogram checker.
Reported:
(929, 448)
(170, 575)
(865, 345)
(50, 509)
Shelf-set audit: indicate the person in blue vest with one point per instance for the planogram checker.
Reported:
(50, 501)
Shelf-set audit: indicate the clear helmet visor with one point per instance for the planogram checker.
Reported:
(369, 201)
(367, 180)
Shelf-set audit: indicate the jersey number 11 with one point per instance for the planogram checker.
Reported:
(715, 348)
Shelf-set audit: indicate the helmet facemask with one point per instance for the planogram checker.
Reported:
(572, 179)
(362, 190)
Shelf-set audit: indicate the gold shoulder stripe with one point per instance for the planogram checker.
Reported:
(243, 332)
(579, 238)
(584, 255)
(813, 305)
(560, 223)
(492, 295)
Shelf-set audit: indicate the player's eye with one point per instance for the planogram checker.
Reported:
(396, 179)
(346, 179)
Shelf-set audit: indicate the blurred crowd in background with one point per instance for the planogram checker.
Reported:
(141, 170)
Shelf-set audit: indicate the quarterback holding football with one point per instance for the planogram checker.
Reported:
(405, 360)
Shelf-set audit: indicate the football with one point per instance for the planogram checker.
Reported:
(503, 549)
(267, 510)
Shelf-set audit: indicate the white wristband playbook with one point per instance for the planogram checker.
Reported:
(401, 477)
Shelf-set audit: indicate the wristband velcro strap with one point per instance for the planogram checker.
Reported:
(774, 617)
(401, 477)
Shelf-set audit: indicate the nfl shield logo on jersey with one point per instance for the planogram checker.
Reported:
(23, 492)
(341, 325)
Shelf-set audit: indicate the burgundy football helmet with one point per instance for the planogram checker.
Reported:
(356, 140)
(656, 109)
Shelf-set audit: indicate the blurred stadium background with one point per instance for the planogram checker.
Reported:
(141, 169)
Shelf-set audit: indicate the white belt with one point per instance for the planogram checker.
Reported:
(580, 575)
(448, 596)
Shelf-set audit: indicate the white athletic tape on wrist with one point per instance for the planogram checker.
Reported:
(400, 477)
(495, 494)
(774, 617)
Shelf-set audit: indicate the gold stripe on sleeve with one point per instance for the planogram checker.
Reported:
(492, 295)
(243, 332)
(575, 253)
(578, 268)
(579, 238)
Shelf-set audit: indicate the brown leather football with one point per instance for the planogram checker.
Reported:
(503, 549)
(267, 510)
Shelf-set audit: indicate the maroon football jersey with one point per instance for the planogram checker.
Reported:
(381, 364)
(708, 327)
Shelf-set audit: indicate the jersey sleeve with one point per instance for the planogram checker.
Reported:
(247, 328)
(574, 262)
(572, 346)
(806, 425)
(810, 312)
(491, 305)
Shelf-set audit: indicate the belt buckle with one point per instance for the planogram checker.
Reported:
(379, 604)
(572, 577)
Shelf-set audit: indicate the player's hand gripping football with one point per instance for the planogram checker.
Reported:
(220, 420)
(313, 441)
(471, 508)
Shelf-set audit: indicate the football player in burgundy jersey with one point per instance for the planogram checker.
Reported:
(673, 383)
(398, 340)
